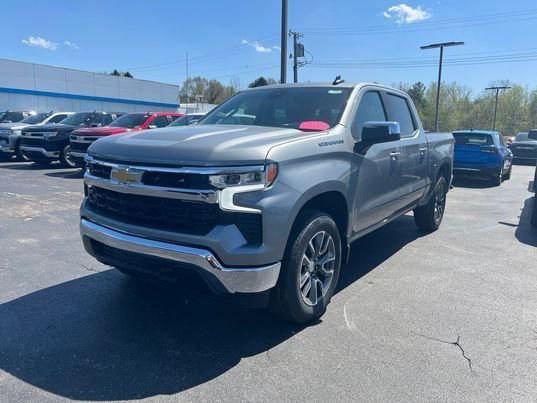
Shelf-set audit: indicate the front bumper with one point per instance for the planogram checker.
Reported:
(32, 151)
(220, 278)
(7, 149)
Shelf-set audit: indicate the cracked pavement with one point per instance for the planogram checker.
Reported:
(443, 316)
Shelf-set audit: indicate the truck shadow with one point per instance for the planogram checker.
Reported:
(471, 183)
(525, 233)
(105, 337)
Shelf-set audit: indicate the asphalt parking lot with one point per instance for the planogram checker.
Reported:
(444, 316)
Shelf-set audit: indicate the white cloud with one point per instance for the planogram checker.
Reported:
(405, 14)
(40, 42)
(71, 45)
(259, 47)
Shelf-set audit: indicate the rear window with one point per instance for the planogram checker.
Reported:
(522, 137)
(479, 139)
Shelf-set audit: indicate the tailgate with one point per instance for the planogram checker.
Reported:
(472, 154)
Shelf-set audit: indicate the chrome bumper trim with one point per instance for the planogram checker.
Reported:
(243, 280)
(206, 196)
(48, 154)
(467, 169)
(77, 154)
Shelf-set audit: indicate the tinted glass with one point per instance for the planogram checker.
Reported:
(370, 109)
(12, 117)
(34, 119)
(57, 118)
(185, 120)
(281, 107)
(79, 119)
(480, 139)
(399, 111)
(522, 137)
(130, 120)
(159, 121)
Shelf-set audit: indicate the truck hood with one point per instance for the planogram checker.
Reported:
(524, 143)
(100, 131)
(52, 127)
(202, 145)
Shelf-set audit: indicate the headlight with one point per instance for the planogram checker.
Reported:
(49, 135)
(264, 178)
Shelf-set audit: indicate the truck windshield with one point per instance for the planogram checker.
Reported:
(79, 119)
(130, 120)
(479, 139)
(11, 117)
(281, 107)
(37, 118)
(522, 137)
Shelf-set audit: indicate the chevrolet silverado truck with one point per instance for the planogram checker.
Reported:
(265, 195)
(10, 133)
(81, 139)
(45, 144)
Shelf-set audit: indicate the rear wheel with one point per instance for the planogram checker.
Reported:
(429, 217)
(310, 270)
(498, 178)
(18, 154)
(507, 176)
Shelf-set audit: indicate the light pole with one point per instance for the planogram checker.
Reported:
(497, 89)
(441, 46)
(283, 45)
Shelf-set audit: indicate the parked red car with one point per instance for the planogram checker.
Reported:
(81, 139)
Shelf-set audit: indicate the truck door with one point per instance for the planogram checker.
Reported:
(414, 153)
(377, 179)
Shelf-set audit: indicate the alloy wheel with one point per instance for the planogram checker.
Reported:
(317, 268)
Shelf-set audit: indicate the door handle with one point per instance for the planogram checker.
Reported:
(423, 149)
(394, 155)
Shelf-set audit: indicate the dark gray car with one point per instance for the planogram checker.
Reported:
(266, 193)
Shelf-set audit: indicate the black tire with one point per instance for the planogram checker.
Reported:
(429, 217)
(288, 299)
(65, 161)
(507, 176)
(18, 154)
(497, 179)
(534, 212)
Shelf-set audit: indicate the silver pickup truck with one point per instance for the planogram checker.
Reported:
(265, 195)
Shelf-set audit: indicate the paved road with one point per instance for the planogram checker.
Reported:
(446, 316)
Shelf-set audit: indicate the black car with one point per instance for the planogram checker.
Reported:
(524, 147)
(14, 116)
(47, 143)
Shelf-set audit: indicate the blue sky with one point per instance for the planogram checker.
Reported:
(361, 40)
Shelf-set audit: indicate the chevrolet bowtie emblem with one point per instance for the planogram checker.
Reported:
(124, 175)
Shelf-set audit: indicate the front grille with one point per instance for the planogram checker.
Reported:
(80, 147)
(525, 153)
(33, 142)
(176, 180)
(171, 215)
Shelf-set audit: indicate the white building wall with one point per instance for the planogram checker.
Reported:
(44, 88)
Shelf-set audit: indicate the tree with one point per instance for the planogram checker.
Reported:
(121, 74)
(261, 82)
(417, 93)
(199, 89)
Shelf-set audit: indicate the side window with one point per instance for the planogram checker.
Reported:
(107, 119)
(159, 121)
(369, 109)
(399, 111)
(57, 119)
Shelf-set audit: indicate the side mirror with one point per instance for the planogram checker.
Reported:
(152, 126)
(532, 134)
(380, 132)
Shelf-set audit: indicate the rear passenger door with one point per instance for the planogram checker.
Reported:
(414, 152)
(159, 121)
(378, 177)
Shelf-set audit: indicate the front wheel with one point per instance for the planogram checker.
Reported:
(65, 160)
(18, 153)
(429, 217)
(310, 270)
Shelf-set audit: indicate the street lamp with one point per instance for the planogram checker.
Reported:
(497, 89)
(441, 46)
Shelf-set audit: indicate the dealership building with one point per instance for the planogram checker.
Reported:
(30, 86)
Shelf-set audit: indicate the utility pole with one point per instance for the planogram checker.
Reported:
(497, 89)
(298, 51)
(283, 55)
(186, 83)
(441, 46)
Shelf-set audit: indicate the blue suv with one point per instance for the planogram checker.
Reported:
(482, 153)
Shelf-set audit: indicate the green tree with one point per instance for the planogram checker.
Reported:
(262, 81)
